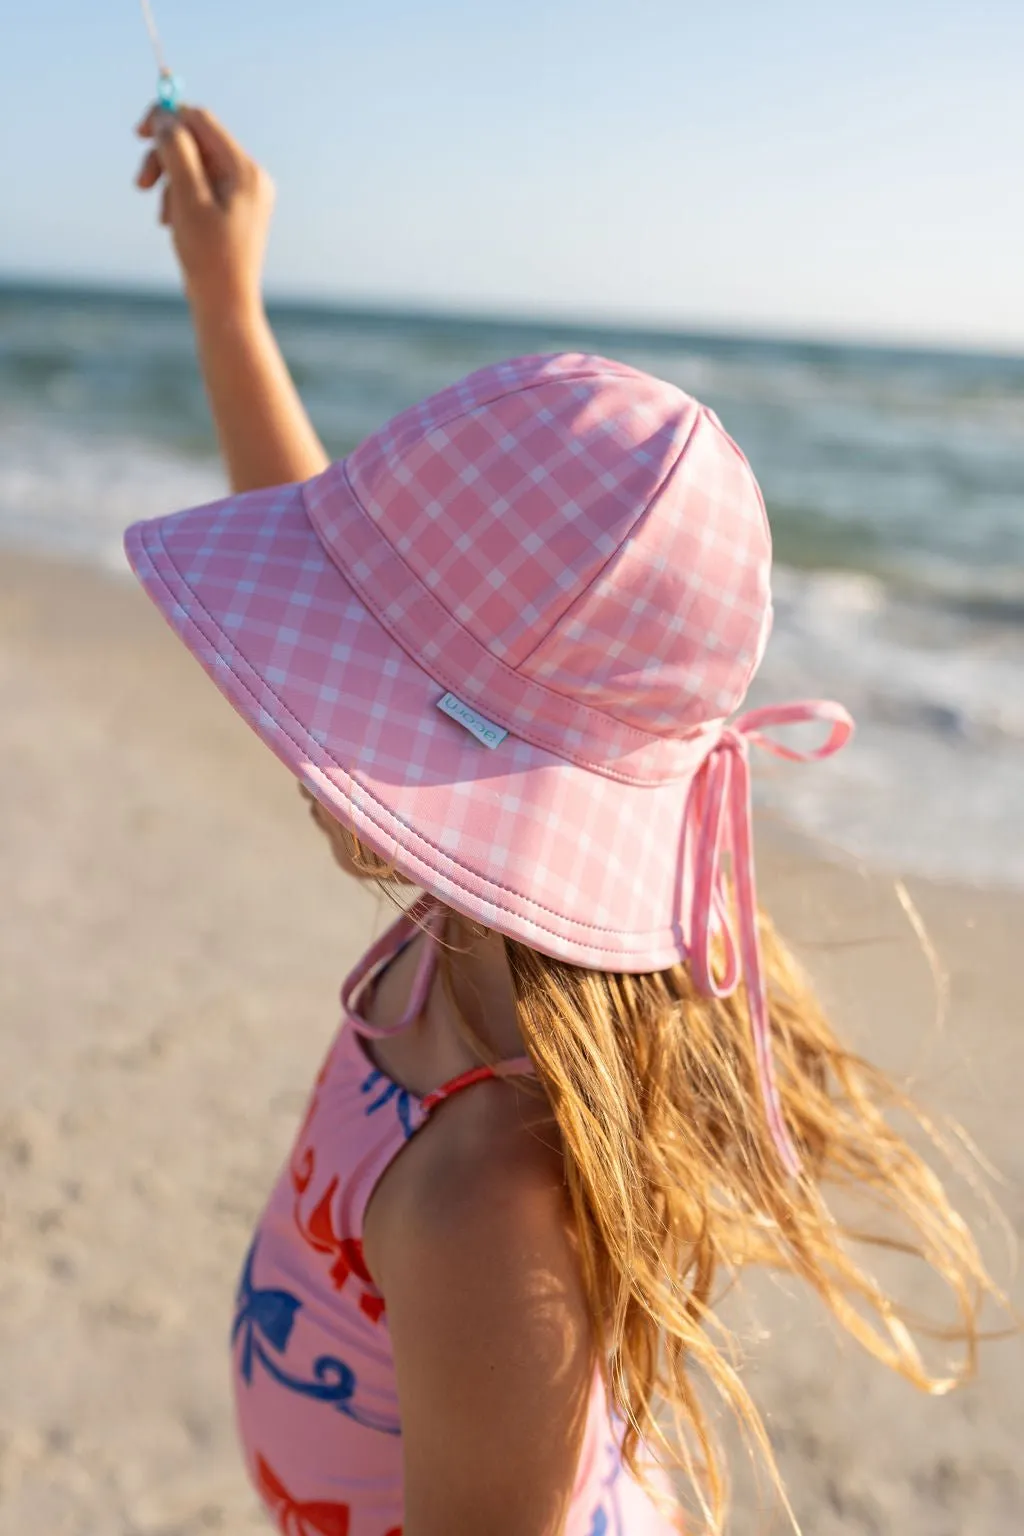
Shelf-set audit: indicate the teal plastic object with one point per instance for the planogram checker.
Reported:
(168, 91)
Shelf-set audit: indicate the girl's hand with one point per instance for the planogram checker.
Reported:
(216, 202)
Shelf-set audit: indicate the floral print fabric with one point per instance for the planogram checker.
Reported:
(316, 1400)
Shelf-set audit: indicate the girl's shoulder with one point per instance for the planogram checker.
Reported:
(488, 1161)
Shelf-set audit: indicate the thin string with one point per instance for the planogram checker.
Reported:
(397, 937)
(720, 822)
(154, 37)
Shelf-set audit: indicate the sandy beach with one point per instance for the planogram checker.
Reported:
(172, 937)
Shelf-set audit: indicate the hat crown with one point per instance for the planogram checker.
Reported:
(592, 527)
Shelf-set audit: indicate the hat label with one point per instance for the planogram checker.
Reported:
(484, 730)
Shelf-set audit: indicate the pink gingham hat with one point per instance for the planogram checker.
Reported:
(502, 641)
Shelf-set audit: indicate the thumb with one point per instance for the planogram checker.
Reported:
(183, 165)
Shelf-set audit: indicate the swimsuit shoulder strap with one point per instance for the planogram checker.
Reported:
(516, 1066)
(423, 916)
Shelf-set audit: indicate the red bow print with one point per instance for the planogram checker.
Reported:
(320, 1233)
(294, 1519)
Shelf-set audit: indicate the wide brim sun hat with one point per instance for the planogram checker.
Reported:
(504, 641)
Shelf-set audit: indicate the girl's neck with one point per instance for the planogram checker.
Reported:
(482, 984)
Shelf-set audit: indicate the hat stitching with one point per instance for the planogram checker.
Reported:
(599, 574)
(466, 401)
(223, 656)
(528, 686)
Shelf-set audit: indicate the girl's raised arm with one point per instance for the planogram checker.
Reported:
(217, 203)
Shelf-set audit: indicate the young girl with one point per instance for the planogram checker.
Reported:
(501, 647)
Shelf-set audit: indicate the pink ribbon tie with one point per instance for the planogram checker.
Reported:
(719, 819)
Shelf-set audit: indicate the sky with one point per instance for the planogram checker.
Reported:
(787, 167)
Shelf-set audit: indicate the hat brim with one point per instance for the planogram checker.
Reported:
(581, 867)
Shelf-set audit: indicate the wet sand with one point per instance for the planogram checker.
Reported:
(172, 937)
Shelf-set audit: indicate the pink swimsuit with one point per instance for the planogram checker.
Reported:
(313, 1372)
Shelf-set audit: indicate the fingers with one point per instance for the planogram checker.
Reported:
(149, 171)
(146, 126)
(178, 155)
(223, 155)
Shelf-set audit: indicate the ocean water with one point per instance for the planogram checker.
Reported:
(894, 481)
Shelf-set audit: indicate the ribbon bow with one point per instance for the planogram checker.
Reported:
(719, 818)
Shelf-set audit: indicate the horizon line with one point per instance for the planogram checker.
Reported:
(421, 310)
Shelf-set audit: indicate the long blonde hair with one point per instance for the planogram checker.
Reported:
(674, 1181)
